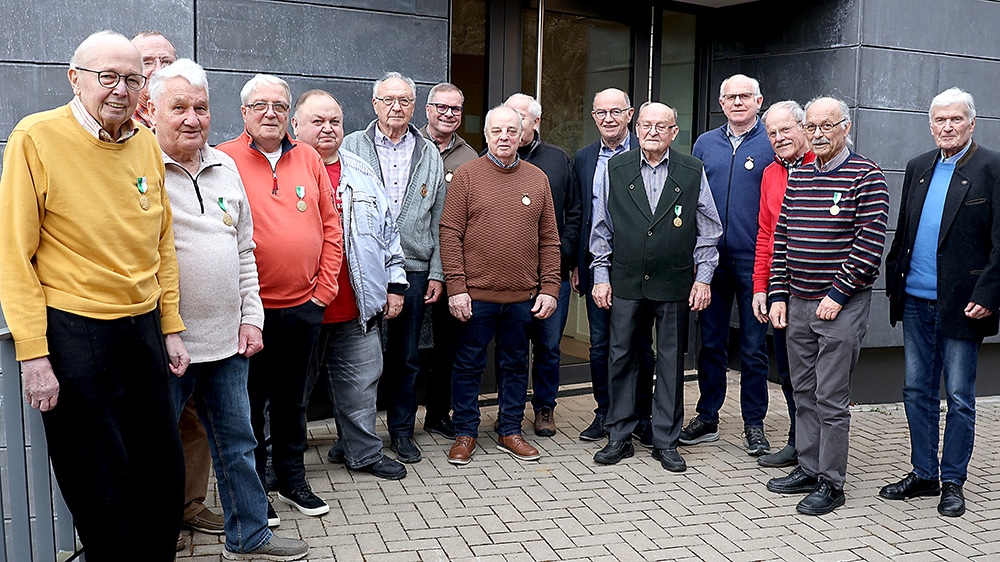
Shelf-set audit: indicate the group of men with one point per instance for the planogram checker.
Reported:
(149, 279)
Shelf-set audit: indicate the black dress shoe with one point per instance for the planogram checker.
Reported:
(406, 449)
(336, 454)
(644, 433)
(823, 499)
(797, 482)
(614, 451)
(952, 501)
(912, 486)
(442, 427)
(670, 459)
(386, 468)
(596, 430)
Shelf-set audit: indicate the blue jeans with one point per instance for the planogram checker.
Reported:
(509, 323)
(402, 358)
(732, 280)
(545, 337)
(599, 320)
(277, 380)
(352, 362)
(220, 394)
(928, 353)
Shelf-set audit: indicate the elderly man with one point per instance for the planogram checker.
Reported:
(89, 286)
(783, 123)
(612, 112)
(371, 281)
(412, 172)
(499, 245)
(546, 333)
(657, 219)
(735, 156)
(949, 225)
(219, 298)
(299, 251)
(445, 105)
(158, 52)
(826, 260)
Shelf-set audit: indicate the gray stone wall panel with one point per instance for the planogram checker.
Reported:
(960, 27)
(298, 39)
(784, 26)
(27, 89)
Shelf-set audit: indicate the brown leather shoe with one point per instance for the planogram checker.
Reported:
(517, 447)
(207, 521)
(461, 451)
(545, 423)
(182, 542)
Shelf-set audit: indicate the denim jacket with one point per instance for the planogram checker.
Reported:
(371, 239)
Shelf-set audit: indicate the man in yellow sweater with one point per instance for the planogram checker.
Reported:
(89, 288)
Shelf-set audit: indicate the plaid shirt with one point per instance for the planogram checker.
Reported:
(394, 160)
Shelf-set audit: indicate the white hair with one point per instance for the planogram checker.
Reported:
(92, 41)
(534, 108)
(753, 82)
(628, 102)
(845, 114)
(388, 75)
(790, 106)
(183, 68)
(952, 96)
(255, 83)
(489, 117)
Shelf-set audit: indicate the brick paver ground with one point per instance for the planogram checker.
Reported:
(566, 507)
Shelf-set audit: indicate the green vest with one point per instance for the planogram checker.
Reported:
(653, 254)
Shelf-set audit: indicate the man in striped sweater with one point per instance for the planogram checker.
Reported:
(827, 250)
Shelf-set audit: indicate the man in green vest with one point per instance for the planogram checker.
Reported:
(657, 217)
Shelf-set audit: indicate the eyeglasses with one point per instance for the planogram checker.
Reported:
(615, 112)
(825, 127)
(261, 106)
(153, 62)
(110, 79)
(442, 108)
(403, 102)
(743, 96)
(658, 127)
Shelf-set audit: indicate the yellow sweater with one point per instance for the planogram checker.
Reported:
(74, 236)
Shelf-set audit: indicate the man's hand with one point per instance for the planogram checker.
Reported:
(574, 279)
(393, 306)
(460, 306)
(779, 315)
(828, 309)
(435, 289)
(976, 311)
(177, 354)
(602, 295)
(251, 340)
(41, 388)
(318, 302)
(701, 296)
(545, 305)
(760, 307)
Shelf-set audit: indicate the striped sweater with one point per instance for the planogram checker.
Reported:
(831, 231)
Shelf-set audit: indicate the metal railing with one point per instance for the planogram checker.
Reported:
(37, 525)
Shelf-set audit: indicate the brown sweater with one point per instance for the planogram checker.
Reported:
(495, 247)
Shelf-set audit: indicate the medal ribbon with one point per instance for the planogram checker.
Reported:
(300, 191)
(677, 211)
(836, 198)
(142, 185)
(222, 204)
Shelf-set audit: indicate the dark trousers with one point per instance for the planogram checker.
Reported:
(732, 280)
(402, 358)
(631, 323)
(438, 385)
(277, 380)
(781, 359)
(600, 339)
(113, 436)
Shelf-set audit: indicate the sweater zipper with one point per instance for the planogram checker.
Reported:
(729, 189)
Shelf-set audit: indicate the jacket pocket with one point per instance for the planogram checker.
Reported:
(978, 201)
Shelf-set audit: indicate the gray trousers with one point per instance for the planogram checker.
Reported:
(631, 323)
(822, 355)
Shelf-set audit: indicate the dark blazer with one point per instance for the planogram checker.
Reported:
(968, 256)
(585, 165)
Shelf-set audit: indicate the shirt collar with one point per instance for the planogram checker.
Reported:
(733, 136)
(623, 146)
(958, 156)
(495, 160)
(837, 160)
(383, 139)
(91, 125)
(666, 159)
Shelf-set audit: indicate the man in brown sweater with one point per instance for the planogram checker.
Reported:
(500, 254)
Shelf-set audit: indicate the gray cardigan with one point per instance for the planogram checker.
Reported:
(420, 215)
